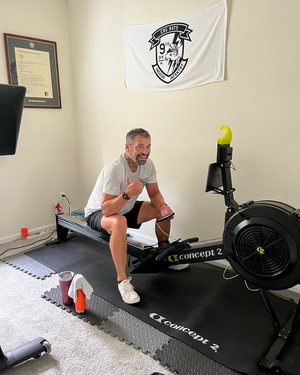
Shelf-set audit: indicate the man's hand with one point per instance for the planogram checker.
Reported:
(166, 210)
(133, 188)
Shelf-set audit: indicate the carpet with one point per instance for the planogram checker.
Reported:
(220, 318)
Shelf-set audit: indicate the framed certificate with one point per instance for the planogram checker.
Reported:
(32, 63)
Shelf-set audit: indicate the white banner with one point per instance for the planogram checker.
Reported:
(177, 54)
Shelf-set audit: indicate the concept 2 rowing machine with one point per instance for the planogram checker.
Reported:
(261, 241)
(148, 259)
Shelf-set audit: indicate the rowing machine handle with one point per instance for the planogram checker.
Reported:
(193, 239)
(167, 250)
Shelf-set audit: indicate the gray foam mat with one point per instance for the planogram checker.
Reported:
(185, 360)
(135, 332)
(30, 266)
(171, 353)
(97, 309)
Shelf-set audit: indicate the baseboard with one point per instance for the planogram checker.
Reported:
(16, 236)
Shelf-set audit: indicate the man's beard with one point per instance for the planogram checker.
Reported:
(136, 159)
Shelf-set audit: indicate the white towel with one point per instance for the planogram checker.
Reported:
(79, 282)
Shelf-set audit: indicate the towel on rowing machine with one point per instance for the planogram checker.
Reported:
(79, 282)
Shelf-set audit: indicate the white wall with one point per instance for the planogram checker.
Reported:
(259, 101)
(46, 159)
(66, 149)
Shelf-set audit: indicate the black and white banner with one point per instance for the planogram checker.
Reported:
(176, 54)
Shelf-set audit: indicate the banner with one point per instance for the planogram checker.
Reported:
(177, 54)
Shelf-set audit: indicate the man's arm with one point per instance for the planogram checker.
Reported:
(157, 199)
(111, 204)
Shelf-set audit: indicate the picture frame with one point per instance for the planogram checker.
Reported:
(32, 62)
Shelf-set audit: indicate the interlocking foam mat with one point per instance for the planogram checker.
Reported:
(198, 314)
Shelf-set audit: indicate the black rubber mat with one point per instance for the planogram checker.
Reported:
(186, 360)
(221, 319)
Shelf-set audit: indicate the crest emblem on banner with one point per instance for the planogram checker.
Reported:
(168, 42)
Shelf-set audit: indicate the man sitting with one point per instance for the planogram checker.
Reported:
(113, 205)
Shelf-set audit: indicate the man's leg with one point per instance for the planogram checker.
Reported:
(149, 212)
(162, 230)
(116, 226)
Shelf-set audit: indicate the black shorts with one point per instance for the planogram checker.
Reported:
(94, 219)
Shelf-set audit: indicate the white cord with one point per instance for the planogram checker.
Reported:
(68, 203)
(232, 277)
(251, 290)
(166, 233)
(228, 278)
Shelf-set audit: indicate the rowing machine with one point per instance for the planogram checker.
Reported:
(148, 259)
(261, 241)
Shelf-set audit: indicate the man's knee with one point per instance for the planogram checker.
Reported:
(118, 224)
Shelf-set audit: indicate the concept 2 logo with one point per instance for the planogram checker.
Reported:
(207, 255)
(169, 47)
(192, 334)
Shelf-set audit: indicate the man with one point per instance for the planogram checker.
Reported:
(113, 205)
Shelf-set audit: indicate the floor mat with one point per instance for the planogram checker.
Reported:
(135, 332)
(186, 360)
(171, 353)
(221, 319)
(28, 265)
(97, 309)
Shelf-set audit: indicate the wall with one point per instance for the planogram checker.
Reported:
(259, 101)
(46, 159)
(64, 150)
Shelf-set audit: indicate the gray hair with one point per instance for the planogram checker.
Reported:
(130, 136)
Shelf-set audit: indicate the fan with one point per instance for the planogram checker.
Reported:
(262, 241)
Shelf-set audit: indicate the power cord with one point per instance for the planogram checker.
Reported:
(236, 275)
(33, 243)
(63, 195)
(228, 278)
(251, 290)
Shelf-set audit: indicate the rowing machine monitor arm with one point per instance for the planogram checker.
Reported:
(219, 173)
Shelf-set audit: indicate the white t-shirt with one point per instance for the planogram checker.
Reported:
(112, 180)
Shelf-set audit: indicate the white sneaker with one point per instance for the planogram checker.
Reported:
(127, 292)
(179, 267)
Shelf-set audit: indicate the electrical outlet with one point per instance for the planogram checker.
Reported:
(61, 198)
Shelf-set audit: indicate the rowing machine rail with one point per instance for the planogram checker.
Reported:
(147, 260)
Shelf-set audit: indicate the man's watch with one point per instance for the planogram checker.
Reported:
(125, 196)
